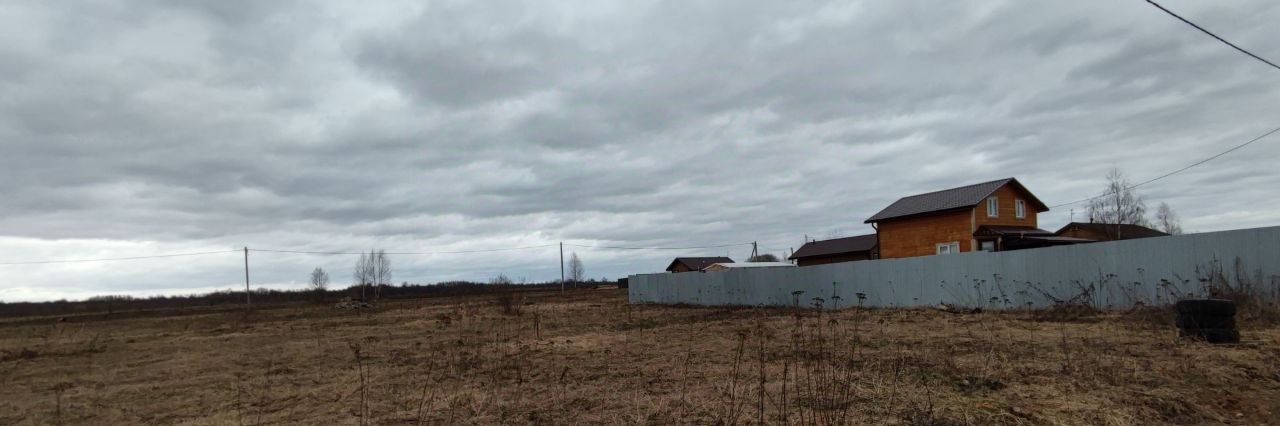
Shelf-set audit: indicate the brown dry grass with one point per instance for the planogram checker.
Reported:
(590, 358)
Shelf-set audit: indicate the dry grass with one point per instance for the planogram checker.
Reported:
(590, 358)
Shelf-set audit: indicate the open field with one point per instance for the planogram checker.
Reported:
(589, 358)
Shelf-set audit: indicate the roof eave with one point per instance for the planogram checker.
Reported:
(839, 253)
(928, 213)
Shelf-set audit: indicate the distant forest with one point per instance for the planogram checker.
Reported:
(266, 297)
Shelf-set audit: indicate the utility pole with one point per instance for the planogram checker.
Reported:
(754, 251)
(562, 266)
(247, 301)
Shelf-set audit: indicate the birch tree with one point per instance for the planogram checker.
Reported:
(319, 282)
(576, 271)
(381, 272)
(1167, 220)
(1119, 205)
(363, 274)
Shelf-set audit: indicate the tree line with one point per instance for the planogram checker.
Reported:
(371, 281)
(372, 273)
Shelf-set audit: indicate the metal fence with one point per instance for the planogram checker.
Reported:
(1107, 275)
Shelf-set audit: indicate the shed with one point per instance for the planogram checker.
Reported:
(690, 264)
(836, 250)
(721, 267)
(1107, 232)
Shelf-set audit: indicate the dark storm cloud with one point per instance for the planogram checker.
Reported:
(182, 126)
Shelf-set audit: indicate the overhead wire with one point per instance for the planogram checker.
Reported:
(1211, 34)
(1206, 160)
(39, 262)
(404, 253)
(1228, 43)
(315, 252)
(656, 248)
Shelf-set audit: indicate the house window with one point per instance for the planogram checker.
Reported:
(949, 248)
(993, 207)
(1019, 209)
(988, 246)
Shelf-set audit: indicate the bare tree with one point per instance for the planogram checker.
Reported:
(319, 282)
(576, 272)
(767, 257)
(1119, 205)
(501, 279)
(363, 273)
(372, 269)
(1167, 220)
(380, 271)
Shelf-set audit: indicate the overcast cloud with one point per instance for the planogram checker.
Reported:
(140, 128)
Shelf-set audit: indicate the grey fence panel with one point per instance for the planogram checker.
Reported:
(1114, 275)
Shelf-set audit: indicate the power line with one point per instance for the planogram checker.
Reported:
(1177, 171)
(1193, 24)
(419, 253)
(658, 248)
(38, 262)
(404, 253)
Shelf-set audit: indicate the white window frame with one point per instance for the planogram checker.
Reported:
(982, 245)
(993, 207)
(1019, 209)
(952, 247)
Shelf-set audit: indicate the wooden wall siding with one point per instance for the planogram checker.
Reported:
(1008, 217)
(918, 236)
(832, 259)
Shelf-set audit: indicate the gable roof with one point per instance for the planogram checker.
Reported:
(951, 199)
(716, 267)
(732, 265)
(836, 246)
(1127, 231)
(698, 263)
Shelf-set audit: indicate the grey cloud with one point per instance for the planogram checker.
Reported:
(175, 125)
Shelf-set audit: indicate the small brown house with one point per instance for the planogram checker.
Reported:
(1107, 232)
(848, 249)
(691, 264)
(982, 216)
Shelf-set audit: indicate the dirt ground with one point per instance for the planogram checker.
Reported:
(590, 358)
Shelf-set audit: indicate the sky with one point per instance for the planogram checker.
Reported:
(157, 127)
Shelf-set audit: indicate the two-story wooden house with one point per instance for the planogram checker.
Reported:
(989, 216)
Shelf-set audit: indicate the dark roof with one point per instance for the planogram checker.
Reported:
(836, 246)
(698, 263)
(1126, 231)
(1010, 231)
(951, 199)
(1067, 240)
(1037, 241)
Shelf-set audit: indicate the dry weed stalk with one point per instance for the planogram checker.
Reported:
(1257, 300)
(58, 390)
(424, 399)
(761, 359)
(730, 394)
(363, 388)
(239, 398)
